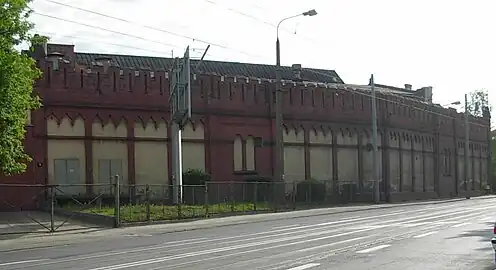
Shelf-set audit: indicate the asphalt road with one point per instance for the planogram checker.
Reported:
(440, 236)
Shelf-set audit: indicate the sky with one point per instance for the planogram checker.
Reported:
(446, 44)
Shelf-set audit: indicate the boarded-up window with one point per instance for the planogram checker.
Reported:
(66, 175)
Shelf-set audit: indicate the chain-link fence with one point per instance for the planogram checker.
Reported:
(116, 203)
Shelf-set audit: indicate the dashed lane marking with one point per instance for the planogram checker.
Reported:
(373, 249)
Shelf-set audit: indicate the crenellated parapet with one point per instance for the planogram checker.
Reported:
(106, 85)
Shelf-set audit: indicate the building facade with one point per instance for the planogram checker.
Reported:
(107, 115)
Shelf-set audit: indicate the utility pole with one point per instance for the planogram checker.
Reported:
(375, 162)
(467, 141)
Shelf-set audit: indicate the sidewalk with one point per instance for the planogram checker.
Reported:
(81, 236)
(17, 224)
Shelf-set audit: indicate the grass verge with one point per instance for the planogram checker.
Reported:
(139, 212)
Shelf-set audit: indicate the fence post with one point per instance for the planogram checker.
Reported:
(206, 200)
(255, 196)
(310, 192)
(52, 210)
(231, 194)
(147, 198)
(117, 197)
(179, 202)
(276, 194)
(293, 195)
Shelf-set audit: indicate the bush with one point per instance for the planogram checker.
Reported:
(193, 190)
(310, 191)
(195, 177)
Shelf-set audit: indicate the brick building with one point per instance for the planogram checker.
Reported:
(108, 114)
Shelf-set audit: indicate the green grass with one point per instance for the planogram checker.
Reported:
(136, 213)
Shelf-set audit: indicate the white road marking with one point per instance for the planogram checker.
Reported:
(445, 222)
(284, 227)
(306, 266)
(261, 249)
(21, 262)
(186, 240)
(223, 249)
(373, 249)
(411, 225)
(287, 231)
(370, 227)
(460, 225)
(425, 234)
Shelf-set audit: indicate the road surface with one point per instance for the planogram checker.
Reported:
(452, 235)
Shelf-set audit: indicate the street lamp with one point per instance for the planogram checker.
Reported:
(452, 103)
(279, 151)
(466, 150)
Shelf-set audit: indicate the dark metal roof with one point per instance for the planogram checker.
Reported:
(211, 67)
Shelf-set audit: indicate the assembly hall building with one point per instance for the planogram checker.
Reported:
(109, 114)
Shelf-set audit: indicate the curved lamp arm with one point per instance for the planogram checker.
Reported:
(311, 12)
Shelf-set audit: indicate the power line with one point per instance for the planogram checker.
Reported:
(112, 44)
(151, 28)
(105, 29)
(203, 41)
(395, 102)
(102, 42)
(259, 20)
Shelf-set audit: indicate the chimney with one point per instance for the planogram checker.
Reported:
(296, 68)
(408, 86)
(428, 94)
(104, 61)
(54, 58)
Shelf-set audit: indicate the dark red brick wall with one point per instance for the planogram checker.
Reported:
(227, 106)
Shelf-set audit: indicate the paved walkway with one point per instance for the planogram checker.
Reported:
(20, 224)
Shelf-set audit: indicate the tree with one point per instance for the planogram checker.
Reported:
(18, 72)
(478, 101)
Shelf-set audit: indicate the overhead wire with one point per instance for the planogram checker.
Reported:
(327, 75)
(43, 33)
(213, 44)
(105, 29)
(108, 43)
(148, 27)
(247, 15)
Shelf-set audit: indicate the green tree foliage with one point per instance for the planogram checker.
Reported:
(478, 101)
(17, 75)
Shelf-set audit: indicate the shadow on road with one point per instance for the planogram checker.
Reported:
(483, 235)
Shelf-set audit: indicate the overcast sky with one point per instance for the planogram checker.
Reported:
(447, 44)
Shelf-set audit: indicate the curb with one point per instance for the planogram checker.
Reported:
(192, 227)
(270, 216)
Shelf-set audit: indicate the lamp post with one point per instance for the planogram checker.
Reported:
(452, 103)
(466, 158)
(375, 162)
(279, 149)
